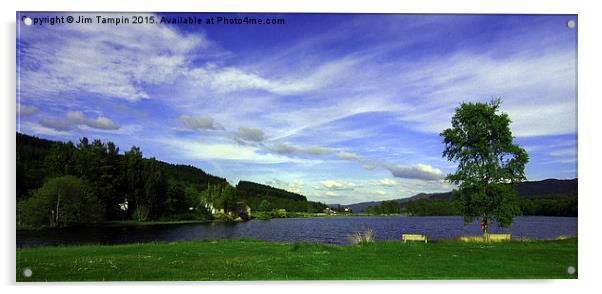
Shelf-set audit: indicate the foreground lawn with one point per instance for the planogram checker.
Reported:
(258, 260)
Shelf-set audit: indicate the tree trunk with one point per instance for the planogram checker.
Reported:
(485, 228)
(58, 203)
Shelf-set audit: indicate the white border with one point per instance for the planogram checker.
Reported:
(589, 141)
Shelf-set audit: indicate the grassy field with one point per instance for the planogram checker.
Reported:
(258, 260)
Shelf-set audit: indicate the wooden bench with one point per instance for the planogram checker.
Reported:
(413, 237)
(498, 237)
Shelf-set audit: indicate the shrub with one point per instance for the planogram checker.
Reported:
(279, 213)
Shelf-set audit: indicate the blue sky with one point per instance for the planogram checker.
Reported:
(340, 108)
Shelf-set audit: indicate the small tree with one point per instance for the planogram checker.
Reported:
(63, 201)
(489, 163)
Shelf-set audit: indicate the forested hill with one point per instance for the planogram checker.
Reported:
(254, 193)
(33, 166)
(39, 160)
(545, 189)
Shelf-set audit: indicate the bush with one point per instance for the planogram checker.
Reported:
(279, 213)
(60, 202)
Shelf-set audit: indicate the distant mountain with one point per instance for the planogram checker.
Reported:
(530, 189)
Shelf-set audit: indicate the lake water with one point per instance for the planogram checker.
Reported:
(335, 230)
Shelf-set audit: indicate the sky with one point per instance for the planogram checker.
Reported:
(342, 108)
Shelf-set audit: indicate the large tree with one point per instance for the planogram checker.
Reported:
(489, 163)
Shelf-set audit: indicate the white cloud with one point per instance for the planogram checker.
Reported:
(387, 182)
(338, 185)
(330, 193)
(295, 186)
(192, 149)
(74, 119)
(111, 61)
(200, 123)
(332, 185)
(349, 156)
(565, 152)
(419, 171)
(100, 122)
(233, 79)
(534, 87)
(38, 129)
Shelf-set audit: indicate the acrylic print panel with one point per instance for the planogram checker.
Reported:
(256, 146)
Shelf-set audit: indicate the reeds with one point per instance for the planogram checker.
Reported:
(365, 237)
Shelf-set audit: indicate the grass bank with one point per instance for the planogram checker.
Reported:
(259, 260)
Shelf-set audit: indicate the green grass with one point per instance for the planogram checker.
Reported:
(259, 260)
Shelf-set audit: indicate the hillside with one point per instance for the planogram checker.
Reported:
(254, 193)
(549, 188)
(34, 168)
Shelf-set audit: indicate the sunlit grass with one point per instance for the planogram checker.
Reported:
(259, 260)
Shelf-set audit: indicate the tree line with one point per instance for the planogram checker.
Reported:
(62, 184)
(560, 205)
(385, 207)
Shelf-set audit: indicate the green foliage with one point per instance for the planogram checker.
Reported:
(481, 142)
(431, 207)
(221, 196)
(60, 202)
(261, 215)
(253, 194)
(558, 206)
(385, 207)
(31, 171)
(153, 189)
(265, 205)
(279, 213)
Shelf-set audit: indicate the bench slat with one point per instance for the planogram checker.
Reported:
(413, 237)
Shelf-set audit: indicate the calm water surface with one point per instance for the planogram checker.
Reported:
(320, 229)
